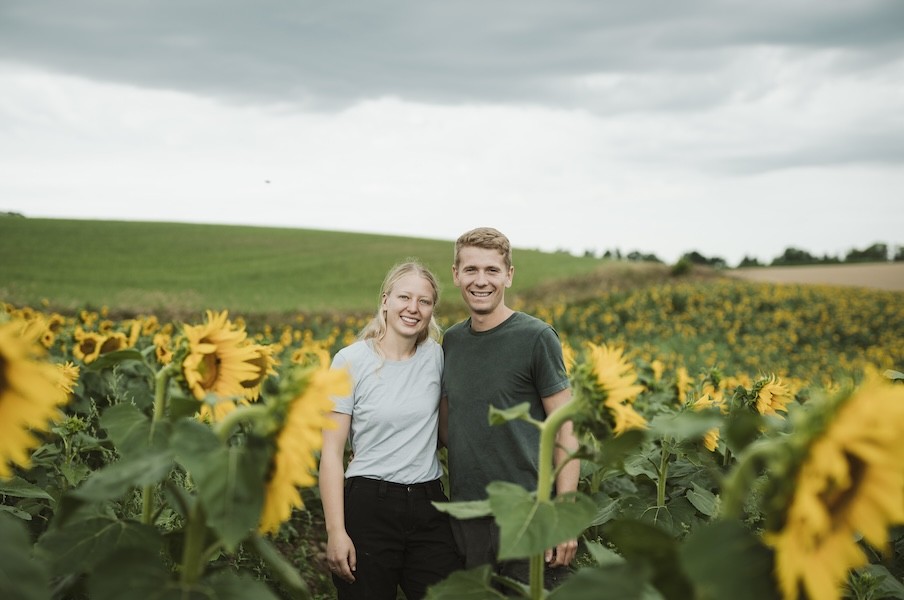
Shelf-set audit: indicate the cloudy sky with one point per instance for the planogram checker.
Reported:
(728, 127)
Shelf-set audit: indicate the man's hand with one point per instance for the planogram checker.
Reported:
(563, 554)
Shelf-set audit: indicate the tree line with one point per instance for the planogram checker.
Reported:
(878, 252)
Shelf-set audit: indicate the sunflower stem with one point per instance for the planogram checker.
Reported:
(548, 432)
(161, 382)
(193, 553)
(247, 412)
(663, 474)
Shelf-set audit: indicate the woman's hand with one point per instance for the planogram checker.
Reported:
(341, 557)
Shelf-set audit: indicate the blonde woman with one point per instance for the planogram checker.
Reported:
(382, 530)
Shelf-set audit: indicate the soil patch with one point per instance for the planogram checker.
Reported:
(883, 276)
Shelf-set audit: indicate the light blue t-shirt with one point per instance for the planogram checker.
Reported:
(395, 412)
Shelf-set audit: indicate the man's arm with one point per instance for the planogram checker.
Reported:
(568, 476)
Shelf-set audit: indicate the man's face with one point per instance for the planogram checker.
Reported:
(482, 277)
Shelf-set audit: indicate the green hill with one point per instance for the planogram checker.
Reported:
(174, 268)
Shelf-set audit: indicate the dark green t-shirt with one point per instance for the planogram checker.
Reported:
(518, 361)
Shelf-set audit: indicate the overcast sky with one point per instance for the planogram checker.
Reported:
(728, 127)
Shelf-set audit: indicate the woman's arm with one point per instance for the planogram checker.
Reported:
(340, 552)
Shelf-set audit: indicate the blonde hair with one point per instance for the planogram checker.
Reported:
(486, 238)
(376, 328)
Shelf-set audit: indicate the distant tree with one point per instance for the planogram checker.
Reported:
(696, 258)
(747, 261)
(637, 256)
(875, 253)
(899, 254)
(589, 254)
(795, 256)
(829, 260)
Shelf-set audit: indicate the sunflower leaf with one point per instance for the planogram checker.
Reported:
(528, 527)
(20, 488)
(725, 560)
(473, 584)
(21, 575)
(651, 546)
(229, 479)
(465, 510)
(80, 545)
(106, 361)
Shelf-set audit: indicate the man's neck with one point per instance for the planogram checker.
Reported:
(486, 322)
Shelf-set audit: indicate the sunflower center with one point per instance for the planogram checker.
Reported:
(836, 498)
(209, 369)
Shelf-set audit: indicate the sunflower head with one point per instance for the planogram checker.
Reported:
(770, 396)
(845, 462)
(215, 359)
(301, 408)
(31, 392)
(606, 383)
(265, 363)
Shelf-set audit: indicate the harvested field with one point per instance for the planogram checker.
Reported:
(884, 276)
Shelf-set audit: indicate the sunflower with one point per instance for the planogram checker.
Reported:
(619, 381)
(849, 484)
(772, 396)
(265, 365)
(87, 346)
(218, 361)
(299, 438)
(115, 340)
(162, 348)
(682, 384)
(31, 392)
(710, 397)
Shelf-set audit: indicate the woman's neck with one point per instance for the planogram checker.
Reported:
(397, 348)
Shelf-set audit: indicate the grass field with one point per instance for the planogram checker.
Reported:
(174, 269)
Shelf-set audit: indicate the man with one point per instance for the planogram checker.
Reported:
(499, 357)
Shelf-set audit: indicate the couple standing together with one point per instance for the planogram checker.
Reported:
(408, 391)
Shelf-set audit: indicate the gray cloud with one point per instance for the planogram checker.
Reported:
(330, 55)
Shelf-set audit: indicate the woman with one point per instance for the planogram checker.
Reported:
(382, 530)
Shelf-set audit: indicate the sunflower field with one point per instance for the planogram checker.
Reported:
(737, 440)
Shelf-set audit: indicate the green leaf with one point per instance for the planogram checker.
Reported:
(741, 429)
(725, 560)
(472, 509)
(612, 582)
(229, 479)
(123, 422)
(135, 573)
(606, 511)
(472, 584)
(521, 412)
(105, 361)
(646, 544)
(703, 500)
(226, 585)
(282, 568)
(21, 575)
(688, 425)
(12, 510)
(78, 546)
(20, 488)
(528, 527)
(117, 478)
(602, 555)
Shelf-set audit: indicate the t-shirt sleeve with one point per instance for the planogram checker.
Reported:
(549, 366)
(343, 404)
